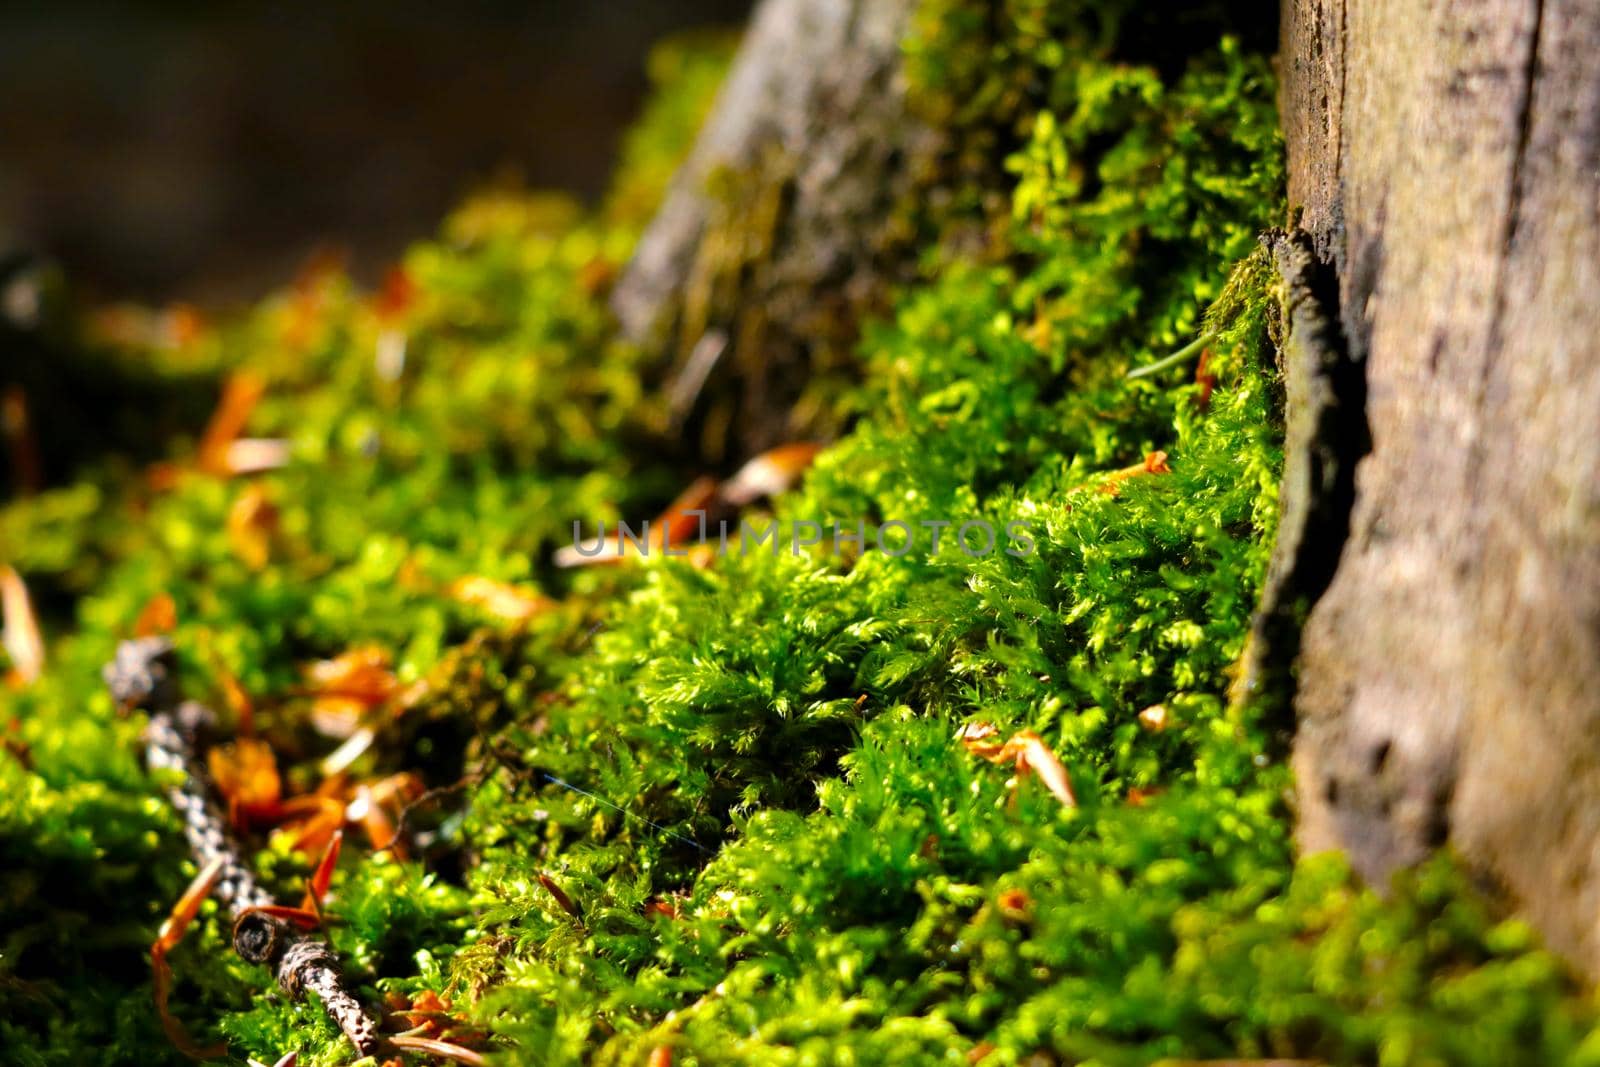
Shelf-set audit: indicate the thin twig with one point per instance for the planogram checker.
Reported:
(144, 675)
(1188, 351)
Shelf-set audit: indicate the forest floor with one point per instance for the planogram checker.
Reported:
(821, 803)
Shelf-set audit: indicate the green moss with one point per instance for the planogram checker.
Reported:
(769, 744)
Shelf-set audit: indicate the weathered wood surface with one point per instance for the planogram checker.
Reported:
(1445, 157)
(775, 233)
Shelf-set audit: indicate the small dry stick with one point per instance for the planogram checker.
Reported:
(143, 675)
(1188, 351)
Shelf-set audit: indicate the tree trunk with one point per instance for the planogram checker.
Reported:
(1444, 156)
(778, 232)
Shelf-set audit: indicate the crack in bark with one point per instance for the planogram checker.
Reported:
(1325, 437)
(1519, 157)
(1513, 219)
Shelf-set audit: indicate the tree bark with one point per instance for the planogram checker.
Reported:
(1444, 157)
(778, 231)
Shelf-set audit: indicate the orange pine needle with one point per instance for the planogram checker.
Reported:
(172, 931)
(561, 897)
(223, 450)
(443, 1049)
(318, 818)
(676, 527)
(682, 518)
(158, 616)
(345, 688)
(661, 1056)
(236, 699)
(1154, 463)
(246, 774)
(241, 392)
(1206, 380)
(322, 877)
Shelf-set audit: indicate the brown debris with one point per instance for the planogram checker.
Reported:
(23, 642)
(1154, 463)
(1026, 750)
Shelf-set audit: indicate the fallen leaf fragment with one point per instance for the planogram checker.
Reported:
(345, 688)
(251, 526)
(675, 528)
(773, 472)
(1155, 718)
(1138, 797)
(245, 772)
(510, 602)
(1026, 750)
(377, 809)
(253, 455)
(1014, 904)
(158, 616)
(218, 455)
(23, 642)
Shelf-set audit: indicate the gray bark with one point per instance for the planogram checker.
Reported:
(777, 231)
(1444, 157)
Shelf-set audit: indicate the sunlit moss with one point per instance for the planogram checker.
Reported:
(781, 853)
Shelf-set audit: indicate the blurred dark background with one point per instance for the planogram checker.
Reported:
(167, 150)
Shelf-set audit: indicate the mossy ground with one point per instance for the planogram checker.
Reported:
(775, 735)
